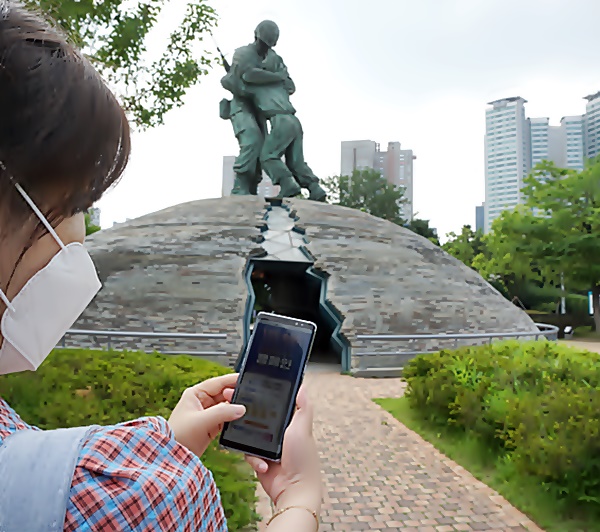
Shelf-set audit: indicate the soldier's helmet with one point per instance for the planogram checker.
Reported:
(268, 32)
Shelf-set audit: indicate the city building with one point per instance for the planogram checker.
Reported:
(515, 144)
(395, 164)
(266, 189)
(507, 154)
(592, 125)
(228, 175)
(574, 141)
(480, 217)
(358, 155)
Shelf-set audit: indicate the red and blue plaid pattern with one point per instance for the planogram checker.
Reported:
(135, 476)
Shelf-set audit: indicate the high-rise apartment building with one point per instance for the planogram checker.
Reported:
(592, 125)
(564, 145)
(395, 165)
(358, 155)
(480, 217)
(573, 135)
(266, 188)
(514, 144)
(507, 155)
(228, 175)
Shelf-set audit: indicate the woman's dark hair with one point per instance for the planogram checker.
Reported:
(63, 136)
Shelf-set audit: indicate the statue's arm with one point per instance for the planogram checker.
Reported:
(290, 86)
(261, 121)
(288, 82)
(259, 76)
(228, 83)
(232, 81)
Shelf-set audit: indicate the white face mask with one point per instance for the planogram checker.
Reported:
(51, 301)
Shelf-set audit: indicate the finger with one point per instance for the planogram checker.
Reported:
(214, 387)
(259, 465)
(211, 420)
(301, 397)
(228, 394)
(303, 418)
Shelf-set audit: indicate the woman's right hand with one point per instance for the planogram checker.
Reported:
(296, 480)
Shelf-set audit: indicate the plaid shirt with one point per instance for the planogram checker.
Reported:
(135, 476)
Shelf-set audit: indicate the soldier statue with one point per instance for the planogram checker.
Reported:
(261, 87)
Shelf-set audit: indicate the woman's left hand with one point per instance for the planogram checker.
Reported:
(202, 410)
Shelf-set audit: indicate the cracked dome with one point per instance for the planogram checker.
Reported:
(182, 270)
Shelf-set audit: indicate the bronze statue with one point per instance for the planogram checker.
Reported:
(248, 127)
(261, 87)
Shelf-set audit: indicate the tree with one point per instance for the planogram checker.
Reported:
(367, 191)
(90, 228)
(421, 227)
(556, 234)
(465, 246)
(503, 263)
(114, 36)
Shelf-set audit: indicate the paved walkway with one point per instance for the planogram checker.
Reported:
(589, 345)
(381, 476)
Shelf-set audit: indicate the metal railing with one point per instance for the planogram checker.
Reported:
(550, 332)
(109, 338)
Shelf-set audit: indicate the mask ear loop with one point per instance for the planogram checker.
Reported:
(39, 214)
(42, 219)
(5, 300)
(3, 296)
(34, 208)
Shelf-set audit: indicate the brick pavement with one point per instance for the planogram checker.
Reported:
(381, 476)
(588, 344)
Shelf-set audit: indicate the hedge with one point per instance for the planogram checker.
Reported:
(537, 404)
(82, 387)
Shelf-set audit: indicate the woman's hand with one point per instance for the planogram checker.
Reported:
(202, 410)
(296, 481)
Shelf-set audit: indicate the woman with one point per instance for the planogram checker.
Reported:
(64, 140)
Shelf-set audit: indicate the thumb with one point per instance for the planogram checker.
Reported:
(303, 417)
(222, 413)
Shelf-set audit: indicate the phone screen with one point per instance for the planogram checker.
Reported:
(268, 384)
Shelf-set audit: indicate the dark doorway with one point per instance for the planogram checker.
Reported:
(290, 289)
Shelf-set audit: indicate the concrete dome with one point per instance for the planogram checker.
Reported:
(183, 270)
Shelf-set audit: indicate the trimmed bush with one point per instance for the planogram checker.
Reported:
(537, 404)
(83, 387)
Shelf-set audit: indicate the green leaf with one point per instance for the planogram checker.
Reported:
(367, 191)
(114, 34)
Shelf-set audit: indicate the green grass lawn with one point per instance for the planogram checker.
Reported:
(523, 492)
(586, 333)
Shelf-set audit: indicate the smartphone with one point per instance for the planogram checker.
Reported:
(272, 370)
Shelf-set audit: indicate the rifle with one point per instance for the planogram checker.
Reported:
(226, 110)
(226, 64)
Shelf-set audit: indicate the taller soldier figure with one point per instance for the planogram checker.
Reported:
(249, 127)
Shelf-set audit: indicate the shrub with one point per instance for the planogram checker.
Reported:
(82, 387)
(536, 403)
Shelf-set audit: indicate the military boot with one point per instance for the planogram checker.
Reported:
(289, 187)
(254, 185)
(316, 192)
(242, 185)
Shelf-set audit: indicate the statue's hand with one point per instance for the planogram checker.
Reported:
(289, 86)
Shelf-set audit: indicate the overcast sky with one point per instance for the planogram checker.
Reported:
(415, 71)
